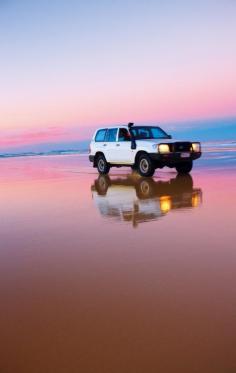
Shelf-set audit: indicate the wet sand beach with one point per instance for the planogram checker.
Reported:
(119, 273)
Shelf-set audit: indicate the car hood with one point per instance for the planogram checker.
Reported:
(160, 141)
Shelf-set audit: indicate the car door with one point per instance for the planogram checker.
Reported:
(126, 154)
(109, 147)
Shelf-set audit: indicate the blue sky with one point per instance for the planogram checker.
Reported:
(69, 66)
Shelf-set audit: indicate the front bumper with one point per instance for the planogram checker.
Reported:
(91, 158)
(173, 158)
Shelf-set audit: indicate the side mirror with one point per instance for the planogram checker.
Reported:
(169, 137)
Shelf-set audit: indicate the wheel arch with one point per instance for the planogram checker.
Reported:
(140, 152)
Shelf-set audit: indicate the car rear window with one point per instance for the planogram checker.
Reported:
(100, 135)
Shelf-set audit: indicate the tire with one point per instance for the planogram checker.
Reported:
(102, 166)
(184, 167)
(145, 166)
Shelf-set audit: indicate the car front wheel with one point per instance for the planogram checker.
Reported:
(102, 165)
(145, 165)
(184, 168)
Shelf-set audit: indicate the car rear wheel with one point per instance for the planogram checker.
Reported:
(102, 165)
(145, 165)
(184, 167)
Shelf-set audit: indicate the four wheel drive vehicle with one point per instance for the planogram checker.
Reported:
(143, 148)
(136, 200)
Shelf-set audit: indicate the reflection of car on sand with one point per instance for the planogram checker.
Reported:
(137, 200)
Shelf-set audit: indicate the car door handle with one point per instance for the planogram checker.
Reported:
(117, 144)
(104, 144)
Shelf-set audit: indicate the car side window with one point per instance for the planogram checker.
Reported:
(111, 135)
(141, 133)
(124, 135)
(100, 135)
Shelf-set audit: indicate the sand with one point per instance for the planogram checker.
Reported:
(119, 273)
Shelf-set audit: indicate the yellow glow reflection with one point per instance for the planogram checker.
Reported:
(165, 203)
(195, 200)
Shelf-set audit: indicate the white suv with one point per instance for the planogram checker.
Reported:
(143, 148)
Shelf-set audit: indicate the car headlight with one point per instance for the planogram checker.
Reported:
(163, 148)
(196, 147)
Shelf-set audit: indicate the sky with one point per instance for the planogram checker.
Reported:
(67, 67)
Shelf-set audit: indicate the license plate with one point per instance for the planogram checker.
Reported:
(184, 155)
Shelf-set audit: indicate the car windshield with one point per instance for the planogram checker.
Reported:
(148, 132)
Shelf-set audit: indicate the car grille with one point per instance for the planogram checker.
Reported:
(181, 147)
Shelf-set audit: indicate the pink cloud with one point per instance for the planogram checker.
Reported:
(31, 137)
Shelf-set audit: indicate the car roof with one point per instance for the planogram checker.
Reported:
(108, 128)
